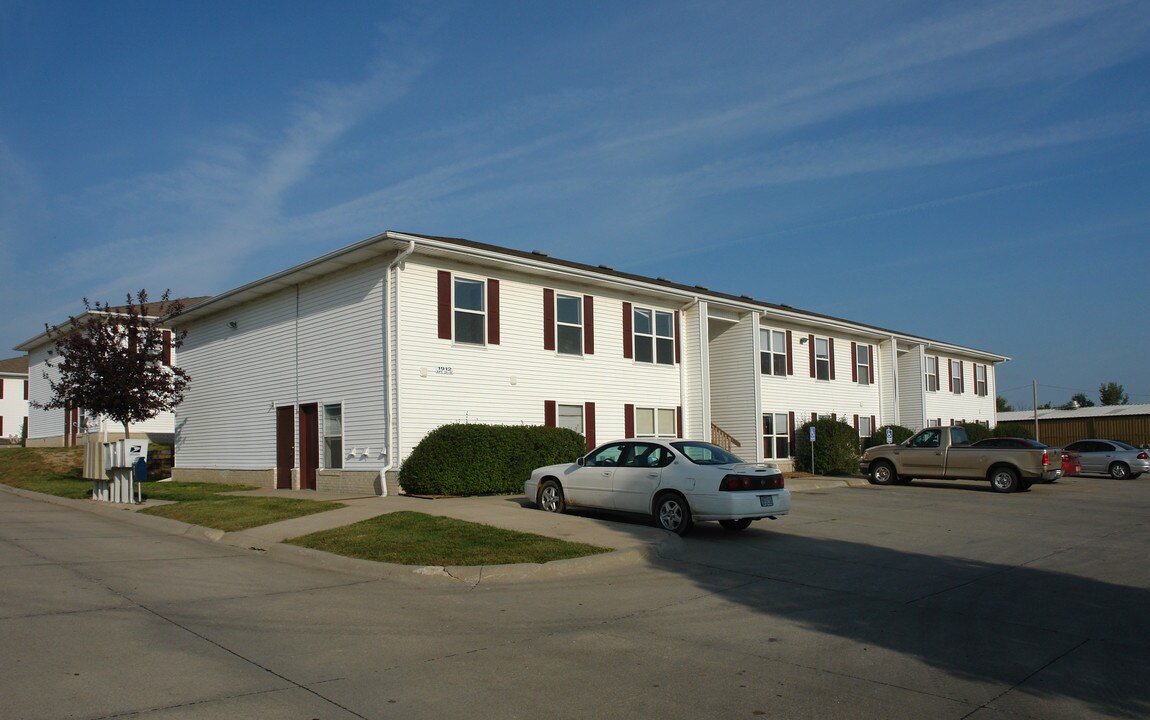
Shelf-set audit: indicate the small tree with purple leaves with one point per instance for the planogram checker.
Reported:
(116, 361)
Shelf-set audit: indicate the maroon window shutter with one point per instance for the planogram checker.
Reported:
(949, 376)
(835, 417)
(679, 421)
(492, 312)
(167, 356)
(444, 301)
(677, 333)
(873, 427)
(1, 388)
(1, 424)
(629, 420)
(588, 325)
(628, 351)
(790, 357)
(589, 425)
(548, 319)
(25, 389)
(814, 417)
(791, 429)
(856, 423)
(870, 361)
(854, 370)
(811, 347)
(549, 413)
(962, 375)
(938, 372)
(831, 355)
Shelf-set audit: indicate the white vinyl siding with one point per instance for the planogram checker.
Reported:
(509, 383)
(322, 343)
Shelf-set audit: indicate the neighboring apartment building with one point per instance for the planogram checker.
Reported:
(65, 427)
(326, 375)
(13, 399)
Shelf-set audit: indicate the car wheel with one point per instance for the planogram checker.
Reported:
(1004, 480)
(551, 497)
(672, 513)
(740, 524)
(1120, 471)
(882, 473)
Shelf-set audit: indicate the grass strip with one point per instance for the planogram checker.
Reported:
(412, 538)
(232, 514)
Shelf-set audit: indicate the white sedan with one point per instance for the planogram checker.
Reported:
(675, 481)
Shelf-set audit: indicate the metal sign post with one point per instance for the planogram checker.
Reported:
(812, 449)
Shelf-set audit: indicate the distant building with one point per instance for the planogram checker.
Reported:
(64, 427)
(1128, 423)
(327, 374)
(13, 399)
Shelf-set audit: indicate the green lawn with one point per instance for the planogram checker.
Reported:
(405, 538)
(412, 538)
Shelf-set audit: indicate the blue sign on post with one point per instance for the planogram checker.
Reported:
(812, 433)
(889, 436)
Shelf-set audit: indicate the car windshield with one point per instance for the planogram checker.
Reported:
(704, 453)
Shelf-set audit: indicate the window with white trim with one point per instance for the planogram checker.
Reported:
(569, 324)
(333, 436)
(470, 311)
(862, 363)
(822, 358)
(655, 422)
(570, 417)
(865, 429)
(956, 380)
(980, 380)
(654, 332)
(931, 373)
(776, 436)
(772, 352)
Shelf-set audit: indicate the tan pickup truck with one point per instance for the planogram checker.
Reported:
(944, 453)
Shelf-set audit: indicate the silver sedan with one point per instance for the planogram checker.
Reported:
(1115, 458)
(675, 481)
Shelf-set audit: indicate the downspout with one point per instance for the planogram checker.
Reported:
(894, 378)
(391, 339)
(683, 395)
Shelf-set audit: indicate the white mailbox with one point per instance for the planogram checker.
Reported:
(120, 458)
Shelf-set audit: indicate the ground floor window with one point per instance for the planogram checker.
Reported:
(776, 436)
(655, 422)
(570, 417)
(333, 436)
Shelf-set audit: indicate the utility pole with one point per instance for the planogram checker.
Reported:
(1034, 388)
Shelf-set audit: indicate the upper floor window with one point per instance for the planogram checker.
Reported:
(773, 349)
(468, 309)
(863, 364)
(931, 373)
(654, 336)
(980, 380)
(957, 382)
(569, 324)
(822, 358)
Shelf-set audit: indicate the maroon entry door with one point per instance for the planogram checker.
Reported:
(308, 445)
(285, 446)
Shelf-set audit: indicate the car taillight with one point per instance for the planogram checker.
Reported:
(1045, 458)
(751, 482)
(1143, 456)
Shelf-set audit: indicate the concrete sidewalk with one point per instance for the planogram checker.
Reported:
(629, 541)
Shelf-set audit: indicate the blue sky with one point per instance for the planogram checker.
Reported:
(974, 172)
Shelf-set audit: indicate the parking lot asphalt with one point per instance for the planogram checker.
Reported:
(630, 539)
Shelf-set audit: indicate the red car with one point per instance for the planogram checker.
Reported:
(1070, 462)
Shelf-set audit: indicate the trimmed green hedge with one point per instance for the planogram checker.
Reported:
(475, 459)
(836, 448)
(898, 433)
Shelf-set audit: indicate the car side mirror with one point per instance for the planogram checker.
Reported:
(581, 461)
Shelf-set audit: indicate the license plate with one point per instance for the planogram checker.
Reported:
(766, 501)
